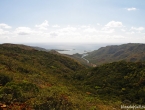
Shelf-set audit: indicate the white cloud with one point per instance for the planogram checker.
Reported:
(23, 31)
(53, 34)
(43, 26)
(84, 26)
(137, 29)
(131, 32)
(78, 33)
(105, 30)
(68, 29)
(5, 26)
(90, 30)
(114, 24)
(118, 37)
(131, 9)
(2, 32)
(56, 26)
(123, 30)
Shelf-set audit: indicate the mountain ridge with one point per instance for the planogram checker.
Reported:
(128, 52)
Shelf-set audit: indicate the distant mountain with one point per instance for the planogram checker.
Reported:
(21, 46)
(41, 49)
(130, 52)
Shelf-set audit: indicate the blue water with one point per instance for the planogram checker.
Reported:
(72, 48)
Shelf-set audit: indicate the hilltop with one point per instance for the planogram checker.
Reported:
(129, 52)
(30, 78)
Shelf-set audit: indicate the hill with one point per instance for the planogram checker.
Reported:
(36, 79)
(31, 78)
(129, 52)
(122, 81)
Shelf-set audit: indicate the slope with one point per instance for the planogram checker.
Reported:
(122, 81)
(129, 52)
(32, 79)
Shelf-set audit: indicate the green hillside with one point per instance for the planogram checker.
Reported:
(129, 52)
(116, 81)
(34, 79)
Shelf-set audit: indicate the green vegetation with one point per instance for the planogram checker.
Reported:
(4, 79)
(41, 80)
(34, 79)
(129, 52)
(118, 80)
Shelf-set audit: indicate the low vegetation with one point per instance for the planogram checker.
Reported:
(117, 81)
(34, 79)
(132, 52)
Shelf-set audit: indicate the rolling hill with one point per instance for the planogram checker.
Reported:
(31, 78)
(129, 52)
(34, 79)
(121, 80)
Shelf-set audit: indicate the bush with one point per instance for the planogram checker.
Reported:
(4, 79)
(10, 92)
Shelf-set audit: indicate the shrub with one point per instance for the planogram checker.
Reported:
(4, 79)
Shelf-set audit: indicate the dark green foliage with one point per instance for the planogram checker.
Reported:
(4, 79)
(10, 92)
(27, 86)
(33, 72)
(123, 80)
(19, 92)
(54, 102)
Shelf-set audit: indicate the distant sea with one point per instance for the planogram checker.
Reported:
(71, 48)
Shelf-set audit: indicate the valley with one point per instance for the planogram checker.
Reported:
(33, 78)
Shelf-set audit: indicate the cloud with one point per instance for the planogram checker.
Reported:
(137, 29)
(130, 32)
(43, 26)
(5, 26)
(68, 29)
(107, 30)
(53, 34)
(114, 24)
(23, 31)
(56, 26)
(89, 29)
(68, 33)
(123, 30)
(84, 26)
(2, 32)
(131, 9)
(118, 37)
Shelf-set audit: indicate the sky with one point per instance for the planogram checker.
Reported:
(72, 21)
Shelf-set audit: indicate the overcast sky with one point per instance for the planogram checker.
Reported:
(93, 21)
